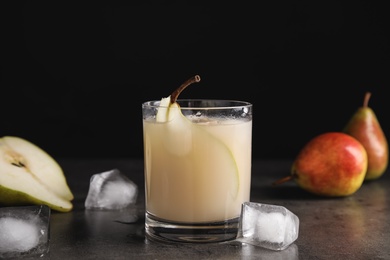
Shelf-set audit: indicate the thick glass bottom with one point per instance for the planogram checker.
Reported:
(163, 231)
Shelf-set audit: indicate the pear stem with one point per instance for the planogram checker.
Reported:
(282, 180)
(188, 82)
(366, 99)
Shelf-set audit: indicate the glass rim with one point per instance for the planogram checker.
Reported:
(233, 103)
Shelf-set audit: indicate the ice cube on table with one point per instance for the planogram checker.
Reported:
(111, 190)
(269, 226)
(24, 231)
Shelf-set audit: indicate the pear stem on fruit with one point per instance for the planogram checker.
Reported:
(282, 180)
(188, 82)
(366, 99)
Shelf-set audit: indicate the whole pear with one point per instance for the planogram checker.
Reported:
(365, 127)
(332, 164)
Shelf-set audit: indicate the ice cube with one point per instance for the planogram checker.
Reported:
(111, 190)
(24, 231)
(269, 226)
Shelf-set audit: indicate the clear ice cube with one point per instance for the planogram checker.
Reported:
(111, 190)
(24, 231)
(268, 226)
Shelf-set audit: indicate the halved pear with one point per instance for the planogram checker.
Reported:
(29, 175)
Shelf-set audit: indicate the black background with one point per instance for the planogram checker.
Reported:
(73, 76)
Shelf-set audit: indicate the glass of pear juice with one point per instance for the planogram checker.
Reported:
(197, 166)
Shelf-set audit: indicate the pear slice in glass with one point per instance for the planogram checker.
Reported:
(189, 141)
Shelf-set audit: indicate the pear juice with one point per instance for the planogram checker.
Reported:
(199, 172)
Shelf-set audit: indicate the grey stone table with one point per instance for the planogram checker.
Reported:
(354, 227)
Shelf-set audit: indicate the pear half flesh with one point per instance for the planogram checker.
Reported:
(29, 175)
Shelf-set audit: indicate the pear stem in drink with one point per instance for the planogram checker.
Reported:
(175, 94)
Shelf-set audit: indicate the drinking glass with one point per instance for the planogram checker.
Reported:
(197, 166)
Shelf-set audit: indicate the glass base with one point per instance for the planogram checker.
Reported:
(163, 231)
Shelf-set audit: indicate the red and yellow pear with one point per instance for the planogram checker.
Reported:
(365, 127)
(332, 164)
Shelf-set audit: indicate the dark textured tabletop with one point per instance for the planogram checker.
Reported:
(354, 227)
